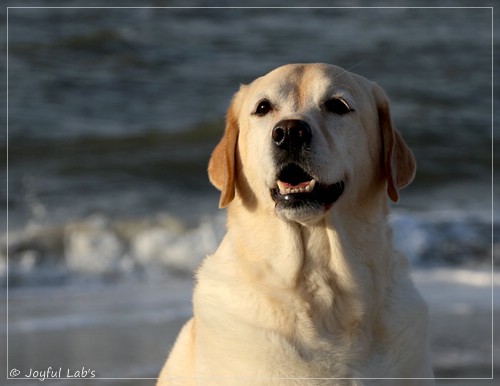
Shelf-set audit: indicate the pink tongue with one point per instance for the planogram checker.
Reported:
(298, 186)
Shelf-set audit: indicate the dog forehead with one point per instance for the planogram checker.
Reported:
(301, 82)
(303, 72)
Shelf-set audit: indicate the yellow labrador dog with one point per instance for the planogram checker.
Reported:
(306, 288)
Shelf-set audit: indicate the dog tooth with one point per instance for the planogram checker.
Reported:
(285, 190)
(281, 187)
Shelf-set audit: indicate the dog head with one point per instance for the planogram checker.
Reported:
(305, 136)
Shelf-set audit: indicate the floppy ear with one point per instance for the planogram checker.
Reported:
(221, 168)
(398, 160)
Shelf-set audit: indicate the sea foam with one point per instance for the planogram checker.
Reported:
(98, 248)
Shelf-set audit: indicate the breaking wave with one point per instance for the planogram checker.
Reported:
(100, 249)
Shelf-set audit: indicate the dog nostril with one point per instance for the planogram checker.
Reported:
(303, 133)
(278, 135)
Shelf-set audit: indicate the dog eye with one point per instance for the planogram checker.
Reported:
(263, 108)
(337, 106)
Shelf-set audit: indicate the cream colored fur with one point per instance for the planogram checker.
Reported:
(303, 297)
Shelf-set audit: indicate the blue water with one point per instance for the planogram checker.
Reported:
(113, 114)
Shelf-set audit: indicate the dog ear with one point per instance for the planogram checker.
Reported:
(398, 160)
(221, 168)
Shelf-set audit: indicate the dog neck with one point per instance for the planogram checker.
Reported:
(343, 250)
(339, 269)
(343, 274)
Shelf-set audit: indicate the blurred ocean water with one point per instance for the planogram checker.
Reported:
(113, 113)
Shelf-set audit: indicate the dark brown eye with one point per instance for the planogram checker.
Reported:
(337, 106)
(263, 107)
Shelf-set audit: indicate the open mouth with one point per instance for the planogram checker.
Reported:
(296, 188)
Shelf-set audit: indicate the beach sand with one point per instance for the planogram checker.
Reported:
(126, 331)
(464, 313)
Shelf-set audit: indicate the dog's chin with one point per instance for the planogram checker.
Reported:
(308, 206)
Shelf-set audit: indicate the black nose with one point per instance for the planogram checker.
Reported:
(291, 134)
